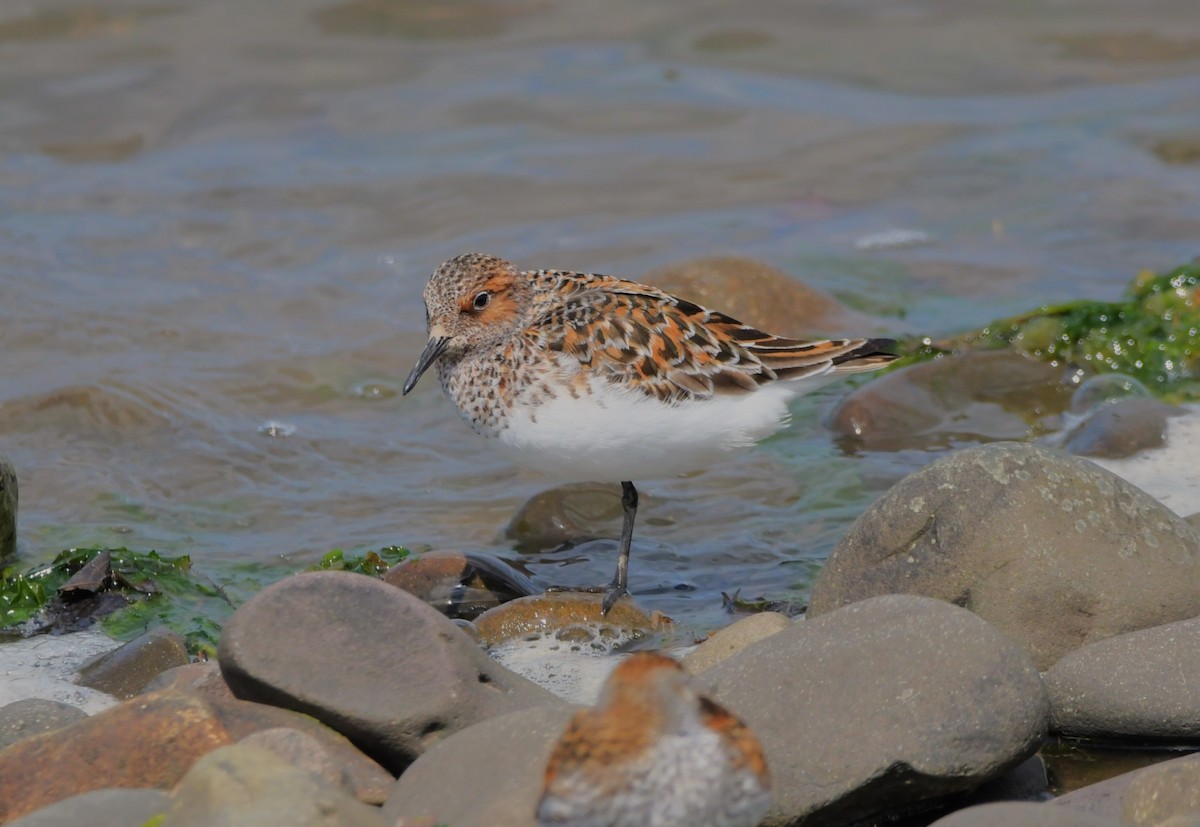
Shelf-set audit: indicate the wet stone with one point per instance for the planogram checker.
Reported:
(8, 509)
(1130, 794)
(460, 584)
(1141, 686)
(33, 716)
(1007, 530)
(891, 703)
(123, 672)
(99, 808)
(566, 516)
(547, 614)
(976, 396)
(1121, 429)
(324, 643)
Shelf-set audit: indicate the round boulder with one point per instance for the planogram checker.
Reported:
(1052, 549)
(1142, 685)
(889, 703)
(370, 660)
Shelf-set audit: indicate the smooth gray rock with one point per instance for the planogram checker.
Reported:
(733, 639)
(99, 808)
(301, 749)
(1164, 794)
(1021, 814)
(1121, 429)
(33, 716)
(888, 703)
(489, 775)
(123, 672)
(240, 784)
(1050, 548)
(1141, 685)
(8, 509)
(370, 660)
(1107, 799)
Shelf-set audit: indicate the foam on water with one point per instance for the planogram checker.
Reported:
(1170, 474)
(44, 666)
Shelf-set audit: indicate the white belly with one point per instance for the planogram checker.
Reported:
(615, 434)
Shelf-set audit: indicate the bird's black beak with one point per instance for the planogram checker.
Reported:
(433, 349)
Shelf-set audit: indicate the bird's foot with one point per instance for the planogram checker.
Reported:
(612, 593)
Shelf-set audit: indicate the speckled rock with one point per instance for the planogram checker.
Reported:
(565, 516)
(887, 703)
(761, 296)
(1021, 814)
(100, 808)
(1142, 685)
(1166, 793)
(460, 584)
(976, 396)
(1010, 531)
(8, 509)
(503, 793)
(123, 672)
(325, 643)
(33, 716)
(734, 638)
(244, 784)
(1121, 429)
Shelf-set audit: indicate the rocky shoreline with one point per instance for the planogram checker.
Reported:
(1002, 596)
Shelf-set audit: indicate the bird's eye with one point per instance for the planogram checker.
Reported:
(482, 300)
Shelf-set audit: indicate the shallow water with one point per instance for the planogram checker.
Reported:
(215, 220)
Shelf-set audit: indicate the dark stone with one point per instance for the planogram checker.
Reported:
(99, 808)
(976, 396)
(1025, 782)
(1141, 686)
(503, 793)
(460, 584)
(370, 660)
(123, 672)
(1008, 531)
(1121, 429)
(887, 704)
(33, 716)
(8, 509)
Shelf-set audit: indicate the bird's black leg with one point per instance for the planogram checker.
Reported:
(620, 583)
(618, 588)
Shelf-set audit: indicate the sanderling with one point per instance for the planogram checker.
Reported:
(590, 377)
(653, 751)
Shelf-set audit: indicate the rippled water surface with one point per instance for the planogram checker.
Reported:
(216, 218)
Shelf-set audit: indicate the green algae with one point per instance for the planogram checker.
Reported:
(130, 592)
(1152, 334)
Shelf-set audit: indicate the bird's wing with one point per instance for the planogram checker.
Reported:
(670, 349)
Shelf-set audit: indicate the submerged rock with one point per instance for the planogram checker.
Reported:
(970, 397)
(1052, 549)
(1138, 686)
(370, 660)
(1121, 429)
(885, 704)
(566, 516)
